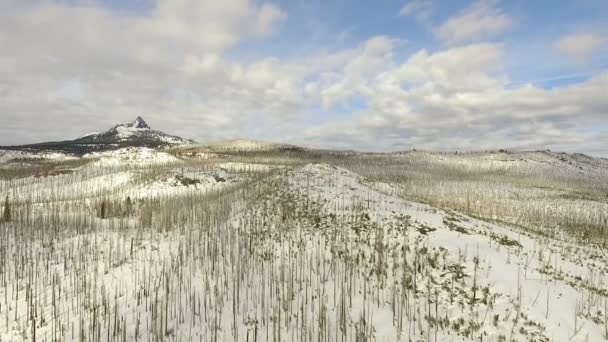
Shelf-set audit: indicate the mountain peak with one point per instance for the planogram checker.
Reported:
(135, 133)
(139, 123)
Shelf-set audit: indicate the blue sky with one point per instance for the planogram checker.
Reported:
(530, 58)
(367, 75)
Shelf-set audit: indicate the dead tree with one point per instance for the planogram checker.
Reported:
(102, 213)
(6, 215)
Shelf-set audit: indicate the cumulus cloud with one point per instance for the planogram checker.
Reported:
(61, 77)
(345, 73)
(266, 85)
(459, 99)
(111, 66)
(422, 10)
(267, 19)
(483, 19)
(579, 47)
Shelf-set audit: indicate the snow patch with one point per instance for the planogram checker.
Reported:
(10, 155)
(131, 156)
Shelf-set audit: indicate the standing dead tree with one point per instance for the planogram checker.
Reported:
(6, 215)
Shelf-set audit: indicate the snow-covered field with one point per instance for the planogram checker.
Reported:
(145, 245)
(11, 155)
(238, 145)
(130, 156)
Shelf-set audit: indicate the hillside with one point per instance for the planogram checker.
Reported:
(232, 248)
(253, 241)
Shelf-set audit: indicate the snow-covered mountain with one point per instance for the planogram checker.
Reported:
(134, 133)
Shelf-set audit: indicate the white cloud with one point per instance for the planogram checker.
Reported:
(422, 10)
(267, 19)
(483, 19)
(579, 47)
(459, 99)
(60, 76)
(129, 64)
(211, 24)
(343, 74)
(266, 85)
(169, 27)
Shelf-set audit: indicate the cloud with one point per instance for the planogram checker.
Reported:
(342, 74)
(266, 85)
(169, 26)
(458, 99)
(267, 19)
(79, 66)
(481, 20)
(60, 77)
(579, 47)
(422, 10)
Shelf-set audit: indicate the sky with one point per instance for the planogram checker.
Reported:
(365, 75)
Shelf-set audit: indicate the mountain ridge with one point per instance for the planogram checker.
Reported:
(136, 133)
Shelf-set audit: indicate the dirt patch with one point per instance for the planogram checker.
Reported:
(505, 241)
(186, 181)
(453, 226)
(425, 230)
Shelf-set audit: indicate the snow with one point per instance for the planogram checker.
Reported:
(527, 162)
(138, 129)
(125, 132)
(130, 156)
(9, 155)
(504, 269)
(69, 187)
(135, 128)
(183, 183)
(315, 252)
(88, 134)
(246, 145)
(246, 167)
(139, 123)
